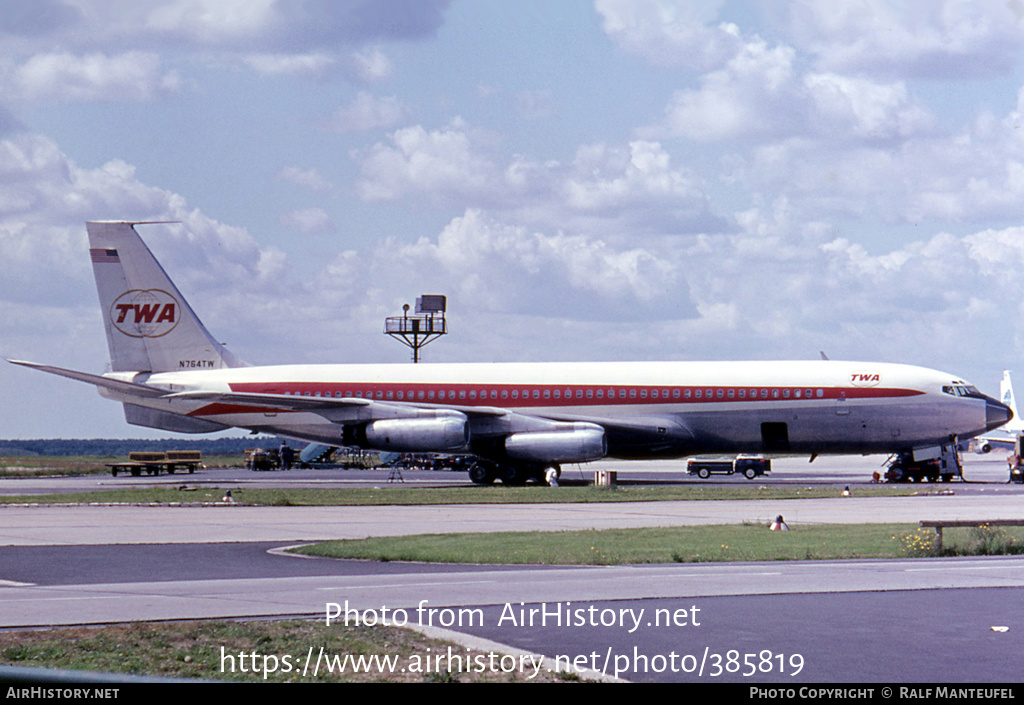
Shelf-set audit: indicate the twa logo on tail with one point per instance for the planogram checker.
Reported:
(145, 313)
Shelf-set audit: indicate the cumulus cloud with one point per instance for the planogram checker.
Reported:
(43, 259)
(313, 64)
(366, 112)
(604, 188)
(670, 32)
(753, 95)
(261, 25)
(133, 76)
(272, 37)
(309, 179)
(452, 160)
(309, 221)
(944, 39)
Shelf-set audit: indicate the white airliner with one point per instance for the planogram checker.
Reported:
(520, 420)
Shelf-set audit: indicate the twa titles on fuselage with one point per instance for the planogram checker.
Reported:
(519, 420)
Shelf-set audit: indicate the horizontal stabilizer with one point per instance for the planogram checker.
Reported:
(139, 390)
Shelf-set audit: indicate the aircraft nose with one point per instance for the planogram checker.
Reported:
(996, 413)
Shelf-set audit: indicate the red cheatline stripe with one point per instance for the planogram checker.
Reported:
(523, 396)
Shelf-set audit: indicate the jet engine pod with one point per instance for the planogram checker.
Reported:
(446, 433)
(578, 443)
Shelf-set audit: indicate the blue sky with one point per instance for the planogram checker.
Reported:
(606, 180)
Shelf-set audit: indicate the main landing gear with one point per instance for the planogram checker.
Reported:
(484, 472)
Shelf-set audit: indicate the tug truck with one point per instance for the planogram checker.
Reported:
(926, 465)
(751, 466)
(1016, 461)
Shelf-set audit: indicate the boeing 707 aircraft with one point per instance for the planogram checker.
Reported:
(520, 420)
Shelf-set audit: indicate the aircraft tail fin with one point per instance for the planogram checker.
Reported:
(149, 325)
(1016, 424)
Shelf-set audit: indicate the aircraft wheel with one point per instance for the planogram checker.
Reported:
(512, 475)
(480, 474)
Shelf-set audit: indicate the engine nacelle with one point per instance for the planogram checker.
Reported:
(580, 443)
(983, 447)
(419, 435)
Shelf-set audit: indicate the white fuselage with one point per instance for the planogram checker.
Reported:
(648, 409)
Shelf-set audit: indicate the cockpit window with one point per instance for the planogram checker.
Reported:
(962, 390)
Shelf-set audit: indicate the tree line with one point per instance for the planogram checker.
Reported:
(107, 447)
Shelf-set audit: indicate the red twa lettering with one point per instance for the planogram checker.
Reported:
(145, 313)
(167, 314)
(865, 378)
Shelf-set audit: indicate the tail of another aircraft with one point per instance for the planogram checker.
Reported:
(1016, 424)
(150, 327)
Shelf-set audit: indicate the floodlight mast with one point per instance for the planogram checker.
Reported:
(425, 326)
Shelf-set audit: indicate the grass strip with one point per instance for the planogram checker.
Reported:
(687, 544)
(61, 465)
(186, 491)
(259, 651)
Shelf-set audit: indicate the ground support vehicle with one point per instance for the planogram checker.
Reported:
(153, 463)
(925, 465)
(1016, 461)
(750, 466)
(259, 459)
